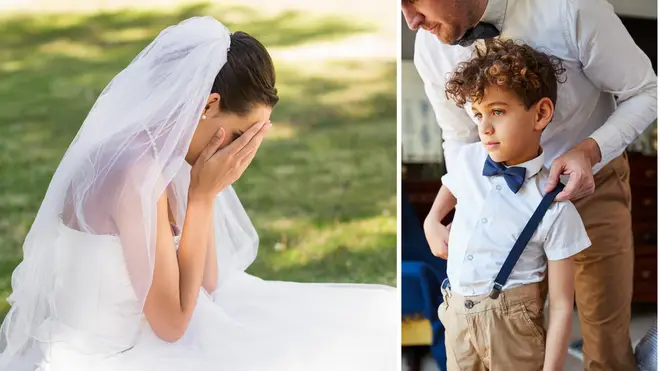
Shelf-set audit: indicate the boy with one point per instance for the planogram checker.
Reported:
(511, 90)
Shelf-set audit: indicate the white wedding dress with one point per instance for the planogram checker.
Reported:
(77, 295)
(247, 324)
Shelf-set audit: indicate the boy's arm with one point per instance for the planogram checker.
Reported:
(566, 237)
(444, 203)
(437, 234)
(560, 291)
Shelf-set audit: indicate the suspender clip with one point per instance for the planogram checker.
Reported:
(495, 292)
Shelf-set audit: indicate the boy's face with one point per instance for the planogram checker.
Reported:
(510, 133)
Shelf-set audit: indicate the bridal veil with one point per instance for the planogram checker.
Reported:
(129, 150)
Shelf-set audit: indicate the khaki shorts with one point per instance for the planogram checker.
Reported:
(503, 334)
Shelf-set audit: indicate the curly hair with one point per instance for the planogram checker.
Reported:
(530, 74)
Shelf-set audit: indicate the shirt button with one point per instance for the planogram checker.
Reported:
(498, 187)
(470, 257)
(484, 220)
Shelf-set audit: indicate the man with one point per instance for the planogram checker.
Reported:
(608, 99)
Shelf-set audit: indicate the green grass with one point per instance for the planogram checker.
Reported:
(322, 190)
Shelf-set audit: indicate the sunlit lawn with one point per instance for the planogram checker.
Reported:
(322, 190)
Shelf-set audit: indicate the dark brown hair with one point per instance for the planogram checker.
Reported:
(248, 77)
(530, 74)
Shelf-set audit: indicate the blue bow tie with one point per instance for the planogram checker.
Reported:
(514, 175)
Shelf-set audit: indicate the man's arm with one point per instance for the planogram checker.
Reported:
(560, 291)
(615, 64)
(457, 127)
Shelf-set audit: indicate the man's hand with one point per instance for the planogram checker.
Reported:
(437, 236)
(576, 163)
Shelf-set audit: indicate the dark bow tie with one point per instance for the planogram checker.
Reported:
(514, 175)
(482, 30)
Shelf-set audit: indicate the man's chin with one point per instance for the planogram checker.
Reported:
(449, 39)
(437, 32)
(445, 39)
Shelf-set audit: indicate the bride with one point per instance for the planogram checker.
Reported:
(136, 258)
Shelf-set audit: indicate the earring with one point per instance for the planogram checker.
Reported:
(203, 117)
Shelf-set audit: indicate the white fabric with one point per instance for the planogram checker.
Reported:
(601, 61)
(247, 324)
(88, 259)
(489, 218)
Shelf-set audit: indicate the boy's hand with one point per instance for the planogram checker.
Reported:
(437, 236)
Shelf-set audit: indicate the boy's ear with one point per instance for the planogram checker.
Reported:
(544, 112)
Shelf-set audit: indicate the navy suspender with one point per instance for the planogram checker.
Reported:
(522, 241)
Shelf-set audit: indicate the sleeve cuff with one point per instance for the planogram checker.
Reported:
(569, 250)
(604, 137)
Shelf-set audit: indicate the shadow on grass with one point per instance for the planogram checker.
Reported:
(342, 265)
(337, 165)
(287, 28)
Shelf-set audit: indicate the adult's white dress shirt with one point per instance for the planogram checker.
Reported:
(610, 89)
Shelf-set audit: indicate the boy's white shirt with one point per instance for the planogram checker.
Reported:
(489, 218)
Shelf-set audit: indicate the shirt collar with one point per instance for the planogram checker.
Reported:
(494, 14)
(533, 166)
